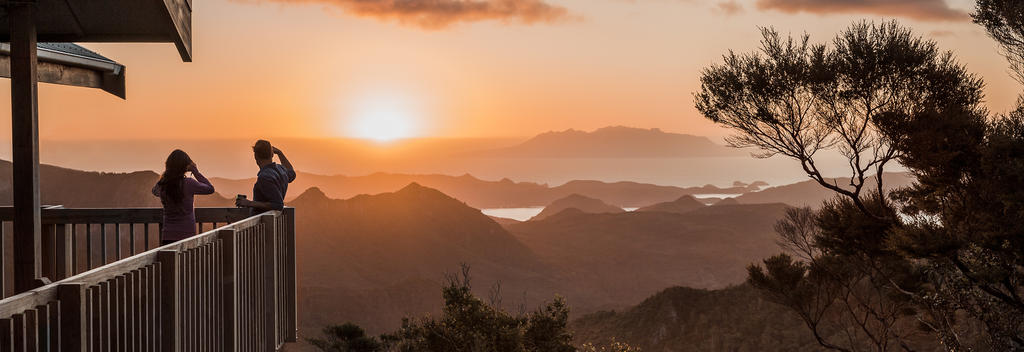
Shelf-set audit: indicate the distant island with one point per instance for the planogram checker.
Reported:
(579, 202)
(614, 142)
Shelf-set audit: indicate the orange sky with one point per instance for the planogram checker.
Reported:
(306, 68)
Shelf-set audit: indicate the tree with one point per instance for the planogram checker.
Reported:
(843, 283)
(613, 346)
(347, 337)
(1004, 21)
(876, 95)
(468, 324)
(798, 99)
(968, 205)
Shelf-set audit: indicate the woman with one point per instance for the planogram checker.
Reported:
(176, 194)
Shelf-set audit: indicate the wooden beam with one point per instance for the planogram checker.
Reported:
(180, 13)
(55, 73)
(25, 138)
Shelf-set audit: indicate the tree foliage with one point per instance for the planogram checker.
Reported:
(469, 324)
(347, 337)
(1004, 21)
(843, 283)
(872, 270)
(798, 99)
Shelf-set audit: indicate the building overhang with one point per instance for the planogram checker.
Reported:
(71, 65)
(168, 21)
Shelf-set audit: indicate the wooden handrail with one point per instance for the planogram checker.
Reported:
(60, 215)
(230, 288)
(76, 240)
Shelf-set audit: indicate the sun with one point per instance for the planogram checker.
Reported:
(383, 120)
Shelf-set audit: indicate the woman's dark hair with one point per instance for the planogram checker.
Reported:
(174, 175)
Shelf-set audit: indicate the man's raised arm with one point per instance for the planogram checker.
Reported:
(287, 164)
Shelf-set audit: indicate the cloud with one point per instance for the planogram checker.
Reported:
(730, 7)
(439, 14)
(925, 10)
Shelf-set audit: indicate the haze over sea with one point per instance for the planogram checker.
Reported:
(231, 158)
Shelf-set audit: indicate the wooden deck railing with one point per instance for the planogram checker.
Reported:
(228, 289)
(77, 240)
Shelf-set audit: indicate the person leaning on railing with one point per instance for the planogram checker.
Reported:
(176, 192)
(271, 181)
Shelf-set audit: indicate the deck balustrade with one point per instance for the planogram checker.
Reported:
(231, 288)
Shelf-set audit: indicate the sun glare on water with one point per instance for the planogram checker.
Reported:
(383, 120)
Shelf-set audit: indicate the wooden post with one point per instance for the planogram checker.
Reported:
(169, 300)
(269, 285)
(19, 332)
(72, 316)
(31, 330)
(291, 329)
(65, 260)
(43, 328)
(230, 288)
(48, 251)
(6, 334)
(53, 308)
(25, 143)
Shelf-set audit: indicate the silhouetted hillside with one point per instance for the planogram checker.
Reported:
(486, 194)
(578, 202)
(682, 205)
(374, 259)
(726, 202)
(504, 221)
(810, 193)
(630, 255)
(83, 189)
(686, 319)
(615, 142)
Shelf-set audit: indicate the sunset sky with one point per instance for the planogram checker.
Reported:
(485, 68)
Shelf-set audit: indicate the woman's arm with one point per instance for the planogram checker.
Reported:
(201, 184)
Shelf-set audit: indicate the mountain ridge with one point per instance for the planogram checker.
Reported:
(481, 194)
(682, 205)
(614, 142)
(578, 202)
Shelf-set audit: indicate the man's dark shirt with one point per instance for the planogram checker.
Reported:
(272, 184)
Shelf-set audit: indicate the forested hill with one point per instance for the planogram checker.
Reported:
(685, 319)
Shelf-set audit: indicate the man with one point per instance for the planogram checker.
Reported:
(271, 181)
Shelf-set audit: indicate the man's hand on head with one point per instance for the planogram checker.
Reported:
(277, 151)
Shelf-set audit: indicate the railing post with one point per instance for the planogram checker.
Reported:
(227, 238)
(25, 144)
(65, 263)
(291, 318)
(73, 321)
(48, 251)
(269, 280)
(170, 334)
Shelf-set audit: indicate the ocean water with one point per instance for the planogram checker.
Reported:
(233, 159)
(520, 214)
(717, 195)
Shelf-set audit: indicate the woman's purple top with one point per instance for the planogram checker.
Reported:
(180, 219)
